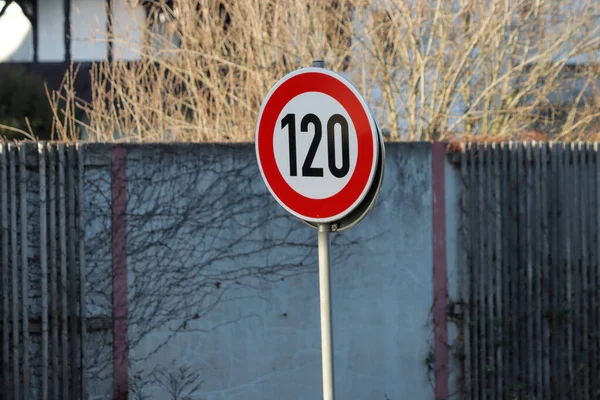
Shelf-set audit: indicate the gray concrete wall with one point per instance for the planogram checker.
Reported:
(223, 283)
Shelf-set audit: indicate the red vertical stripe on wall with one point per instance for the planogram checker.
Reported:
(440, 280)
(119, 274)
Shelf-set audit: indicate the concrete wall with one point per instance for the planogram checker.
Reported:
(194, 274)
(223, 282)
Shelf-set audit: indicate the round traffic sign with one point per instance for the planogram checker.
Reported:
(317, 145)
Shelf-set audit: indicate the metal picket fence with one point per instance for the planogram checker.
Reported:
(42, 266)
(531, 282)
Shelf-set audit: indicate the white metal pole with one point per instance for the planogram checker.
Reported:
(325, 299)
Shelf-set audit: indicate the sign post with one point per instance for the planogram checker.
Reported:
(325, 299)
(320, 152)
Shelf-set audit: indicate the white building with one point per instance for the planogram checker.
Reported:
(57, 31)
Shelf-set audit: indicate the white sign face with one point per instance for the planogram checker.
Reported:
(315, 145)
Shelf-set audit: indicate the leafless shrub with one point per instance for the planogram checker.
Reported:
(430, 69)
(179, 384)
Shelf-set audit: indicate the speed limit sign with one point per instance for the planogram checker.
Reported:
(321, 155)
(318, 147)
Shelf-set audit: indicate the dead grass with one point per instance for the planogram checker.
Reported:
(431, 70)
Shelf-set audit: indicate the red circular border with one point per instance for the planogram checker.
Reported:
(340, 202)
